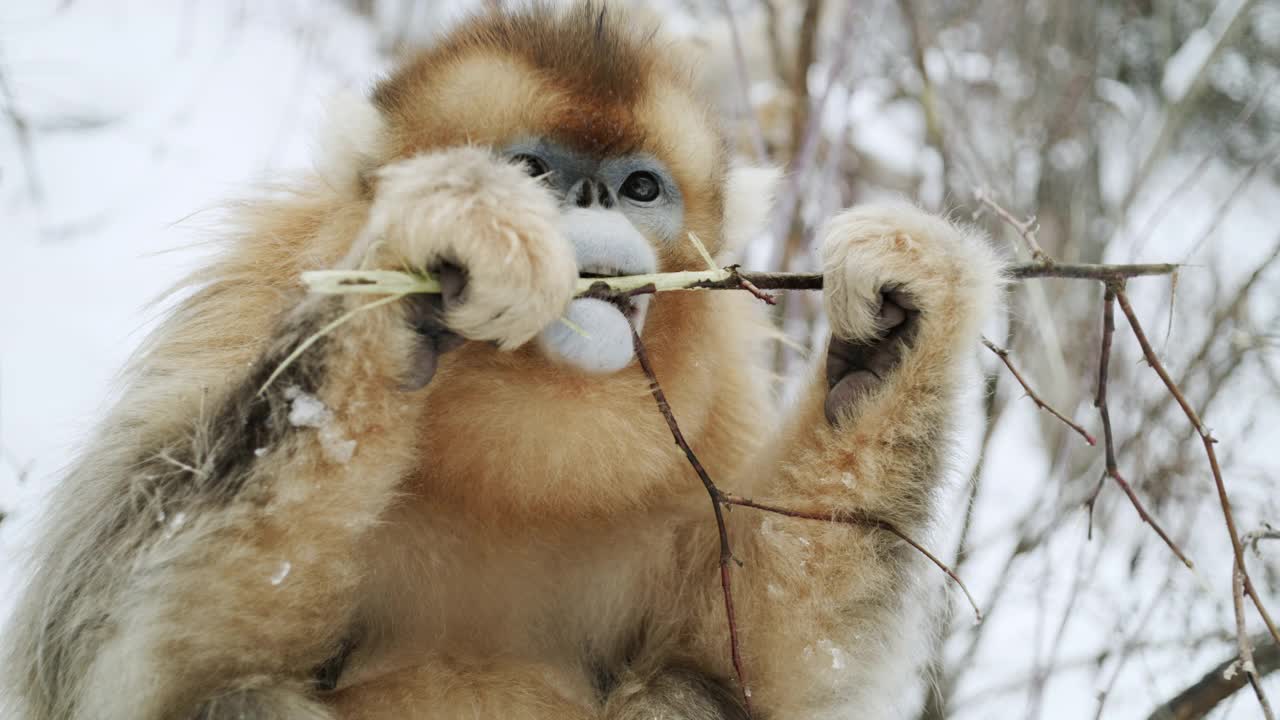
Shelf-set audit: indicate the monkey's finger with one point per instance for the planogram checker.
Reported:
(453, 283)
(848, 391)
(426, 315)
(891, 314)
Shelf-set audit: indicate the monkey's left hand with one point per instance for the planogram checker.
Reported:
(489, 232)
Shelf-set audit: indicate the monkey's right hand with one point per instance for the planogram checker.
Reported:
(489, 232)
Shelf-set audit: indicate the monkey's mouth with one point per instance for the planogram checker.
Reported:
(633, 307)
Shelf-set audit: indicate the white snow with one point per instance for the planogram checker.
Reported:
(281, 572)
(335, 445)
(837, 653)
(306, 410)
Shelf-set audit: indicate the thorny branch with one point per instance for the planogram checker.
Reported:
(1003, 354)
(1217, 685)
(717, 502)
(1025, 228)
(1245, 644)
(1112, 467)
(1243, 584)
(388, 282)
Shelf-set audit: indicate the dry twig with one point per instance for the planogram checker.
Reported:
(1003, 354)
(1025, 228)
(1113, 278)
(726, 551)
(390, 282)
(1245, 644)
(1112, 467)
(1220, 683)
(1208, 441)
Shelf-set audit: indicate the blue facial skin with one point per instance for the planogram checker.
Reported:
(659, 219)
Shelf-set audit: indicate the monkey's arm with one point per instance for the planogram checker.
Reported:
(199, 559)
(826, 610)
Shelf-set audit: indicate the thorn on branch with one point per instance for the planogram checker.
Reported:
(726, 552)
(1025, 228)
(751, 287)
(1100, 401)
(1237, 547)
(1003, 354)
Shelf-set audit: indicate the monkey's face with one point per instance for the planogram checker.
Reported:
(613, 131)
(616, 211)
(634, 160)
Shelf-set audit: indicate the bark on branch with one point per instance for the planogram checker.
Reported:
(390, 282)
(1218, 684)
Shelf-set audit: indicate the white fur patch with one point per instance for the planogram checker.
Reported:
(941, 264)
(749, 195)
(605, 242)
(463, 206)
(600, 342)
(349, 142)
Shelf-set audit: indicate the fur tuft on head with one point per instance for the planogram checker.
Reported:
(749, 198)
(350, 143)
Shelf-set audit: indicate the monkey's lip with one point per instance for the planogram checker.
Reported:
(633, 307)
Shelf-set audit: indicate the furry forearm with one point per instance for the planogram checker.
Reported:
(217, 548)
(830, 612)
(826, 608)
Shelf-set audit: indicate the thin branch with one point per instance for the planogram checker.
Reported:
(752, 288)
(726, 552)
(852, 518)
(1222, 314)
(1208, 441)
(1217, 685)
(1003, 354)
(23, 137)
(1180, 105)
(1252, 539)
(391, 282)
(1025, 228)
(805, 149)
(1245, 644)
(773, 27)
(1100, 401)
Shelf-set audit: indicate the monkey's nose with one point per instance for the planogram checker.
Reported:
(589, 192)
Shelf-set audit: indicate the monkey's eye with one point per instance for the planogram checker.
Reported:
(642, 187)
(534, 165)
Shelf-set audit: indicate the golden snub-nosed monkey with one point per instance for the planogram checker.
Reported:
(462, 507)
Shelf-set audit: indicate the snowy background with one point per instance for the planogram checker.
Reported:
(1133, 130)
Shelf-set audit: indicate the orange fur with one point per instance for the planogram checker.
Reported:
(517, 539)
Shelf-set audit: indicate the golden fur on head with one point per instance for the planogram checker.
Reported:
(583, 76)
(588, 79)
(518, 539)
